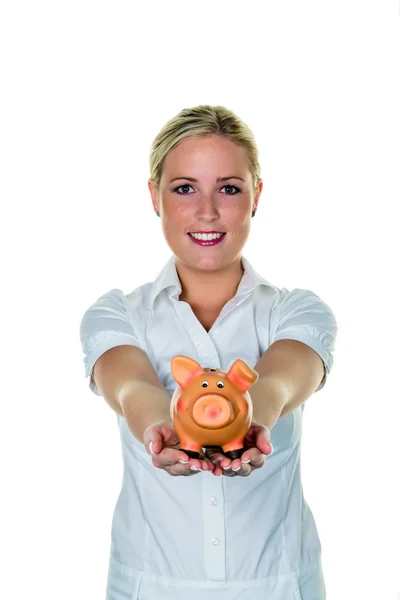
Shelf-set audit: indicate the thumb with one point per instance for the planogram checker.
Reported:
(263, 440)
(153, 440)
(154, 447)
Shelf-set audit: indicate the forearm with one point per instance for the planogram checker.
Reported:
(289, 373)
(269, 395)
(144, 404)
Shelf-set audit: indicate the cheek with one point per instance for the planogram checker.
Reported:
(174, 220)
(240, 222)
(176, 212)
(237, 210)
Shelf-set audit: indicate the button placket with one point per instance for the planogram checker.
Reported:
(201, 340)
(214, 527)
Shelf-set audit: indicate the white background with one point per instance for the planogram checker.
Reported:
(86, 86)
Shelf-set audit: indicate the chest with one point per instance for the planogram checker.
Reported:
(206, 318)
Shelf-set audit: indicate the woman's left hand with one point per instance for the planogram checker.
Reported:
(257, 445)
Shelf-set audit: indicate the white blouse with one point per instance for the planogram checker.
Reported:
(198, 537)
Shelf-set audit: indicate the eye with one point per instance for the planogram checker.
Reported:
(185, 185)
(233, 187)
(204, 384)
(220, 384)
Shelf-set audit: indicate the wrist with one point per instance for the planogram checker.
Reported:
(269, 398)
(144, 406)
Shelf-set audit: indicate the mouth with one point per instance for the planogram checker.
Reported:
(210, 238)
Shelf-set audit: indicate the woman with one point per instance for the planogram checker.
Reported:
(250, 534)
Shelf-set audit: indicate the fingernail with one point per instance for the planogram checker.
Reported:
(225, 468)
(195, 468)
(237, 469)
(272, 448)
(245, 462)
(151, 447)
(184, 462)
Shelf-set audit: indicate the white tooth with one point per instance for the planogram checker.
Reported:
(206, 237)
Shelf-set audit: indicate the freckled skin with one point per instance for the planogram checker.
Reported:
(206, 205)
(193, 405)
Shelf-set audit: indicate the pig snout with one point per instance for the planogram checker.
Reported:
(212, 411)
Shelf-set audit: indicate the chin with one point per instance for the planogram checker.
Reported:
(204, 263)
(204, 259)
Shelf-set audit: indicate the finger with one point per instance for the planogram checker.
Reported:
(217, 471)
(236, 464)
(195, 464)
(263, 447)
(216, 461)
(249, 455)
(200, 464)
(256, 462)
(256, 430)
(228, 472)
(262, 438)
(244, 470)
(263, 444)
(215, 454)
(218, 458)
(179, 469)
(171, 456)
(152, 441)
(206, 464)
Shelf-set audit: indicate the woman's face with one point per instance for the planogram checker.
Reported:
(206, 186)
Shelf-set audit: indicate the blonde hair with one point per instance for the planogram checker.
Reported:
(201, 121)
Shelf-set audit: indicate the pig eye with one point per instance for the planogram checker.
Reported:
(220, 384)
(204, 384)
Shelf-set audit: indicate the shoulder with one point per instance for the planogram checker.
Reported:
(300, 314)
(300, 300)
(116, 300)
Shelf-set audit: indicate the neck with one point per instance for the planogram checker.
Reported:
(209, 290)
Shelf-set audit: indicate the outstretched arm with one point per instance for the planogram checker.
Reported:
(289, 373)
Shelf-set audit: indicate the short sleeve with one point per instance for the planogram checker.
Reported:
(106, 324)
(301, 315)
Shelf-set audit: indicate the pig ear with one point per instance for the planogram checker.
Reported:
(242, 375)
(184, 369)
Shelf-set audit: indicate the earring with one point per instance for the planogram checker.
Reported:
(158, 214)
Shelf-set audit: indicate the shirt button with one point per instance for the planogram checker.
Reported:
(215, 541)
(213, 501)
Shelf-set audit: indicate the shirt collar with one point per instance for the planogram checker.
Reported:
(168, 280)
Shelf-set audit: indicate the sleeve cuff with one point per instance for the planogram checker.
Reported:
(90, 359)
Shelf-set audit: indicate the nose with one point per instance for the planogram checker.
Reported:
(207, 208)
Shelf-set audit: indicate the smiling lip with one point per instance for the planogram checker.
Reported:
(207, 242)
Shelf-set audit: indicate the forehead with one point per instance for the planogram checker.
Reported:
(212, 152)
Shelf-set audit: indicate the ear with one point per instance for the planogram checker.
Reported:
(241, 375)
(154, 194)
(185, 369)
(257, 194)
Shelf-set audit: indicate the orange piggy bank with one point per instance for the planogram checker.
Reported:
(211, 407)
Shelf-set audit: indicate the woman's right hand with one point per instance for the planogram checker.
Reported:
(162, 443)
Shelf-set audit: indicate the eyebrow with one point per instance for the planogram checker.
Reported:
(218, 178)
